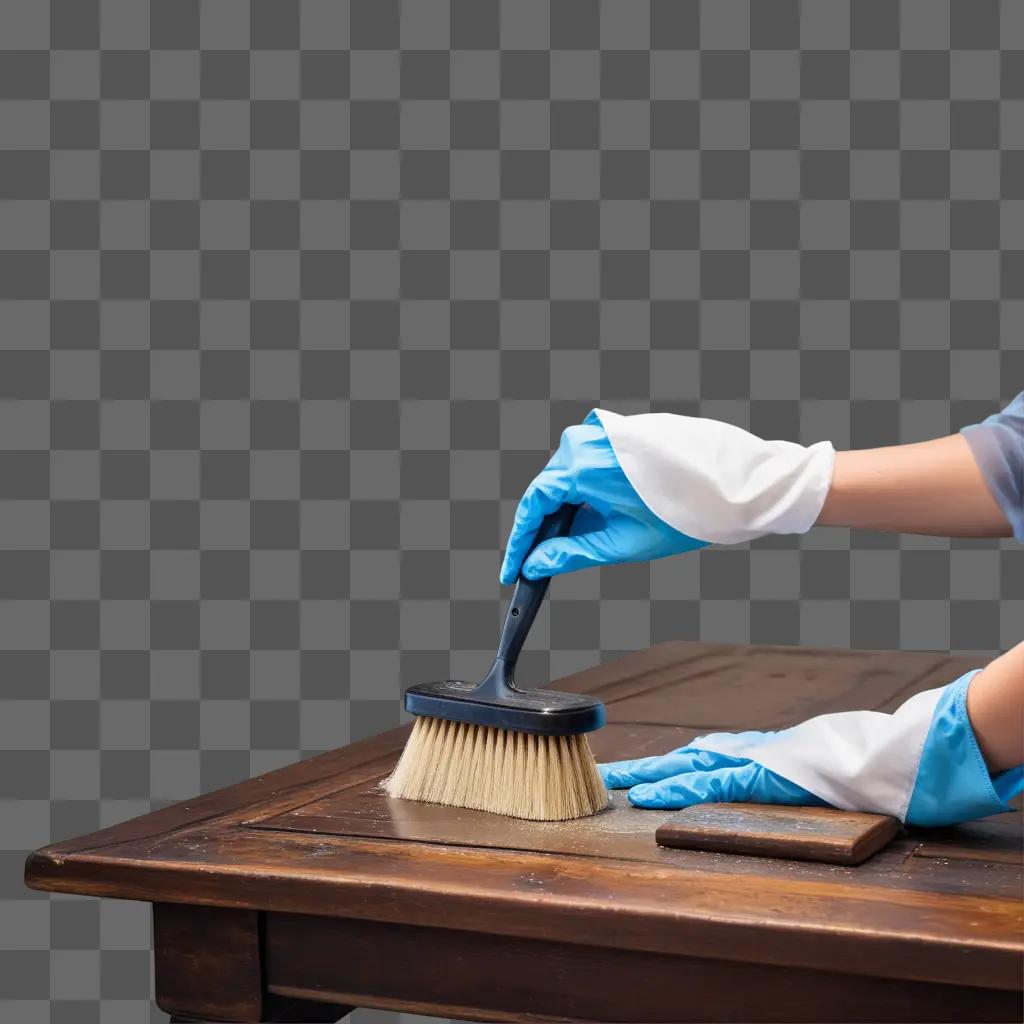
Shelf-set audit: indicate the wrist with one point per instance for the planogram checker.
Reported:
(995, 708)
(850, 472)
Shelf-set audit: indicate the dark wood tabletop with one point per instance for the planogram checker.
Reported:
(301, 893)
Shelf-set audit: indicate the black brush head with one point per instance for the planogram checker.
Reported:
(546, 712)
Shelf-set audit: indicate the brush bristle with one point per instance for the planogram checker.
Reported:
(518, 774)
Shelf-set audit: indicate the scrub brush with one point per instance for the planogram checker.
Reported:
(494, 747)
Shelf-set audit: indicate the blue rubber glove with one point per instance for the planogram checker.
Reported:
(613, 526)
(921, 764)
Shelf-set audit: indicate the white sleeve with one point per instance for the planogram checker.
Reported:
(717, 482)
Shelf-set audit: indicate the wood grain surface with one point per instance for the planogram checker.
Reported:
(319, 854)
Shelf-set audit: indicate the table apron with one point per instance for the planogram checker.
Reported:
(443, 971)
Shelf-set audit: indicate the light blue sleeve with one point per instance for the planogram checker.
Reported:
(998, 447)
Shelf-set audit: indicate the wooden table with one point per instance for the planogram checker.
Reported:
(299, 894)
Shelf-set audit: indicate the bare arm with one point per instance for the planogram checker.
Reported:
(995, 706)
(933, 487)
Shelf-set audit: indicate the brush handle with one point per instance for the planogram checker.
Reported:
(529, 594)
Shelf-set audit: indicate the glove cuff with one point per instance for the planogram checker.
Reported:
(717, 482)
(953, 783)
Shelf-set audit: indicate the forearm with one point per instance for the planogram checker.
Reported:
(933, 487)
(995, 706)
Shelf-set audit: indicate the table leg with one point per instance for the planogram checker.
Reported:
(208, 966)
(277, 1010)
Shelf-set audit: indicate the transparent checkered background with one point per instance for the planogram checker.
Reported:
(292, 292)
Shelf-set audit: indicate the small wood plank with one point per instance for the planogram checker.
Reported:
(769, 830)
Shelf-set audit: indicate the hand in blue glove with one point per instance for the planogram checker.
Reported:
(613, 526)
(920, 764)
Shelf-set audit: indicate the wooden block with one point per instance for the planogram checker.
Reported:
(771, 830)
